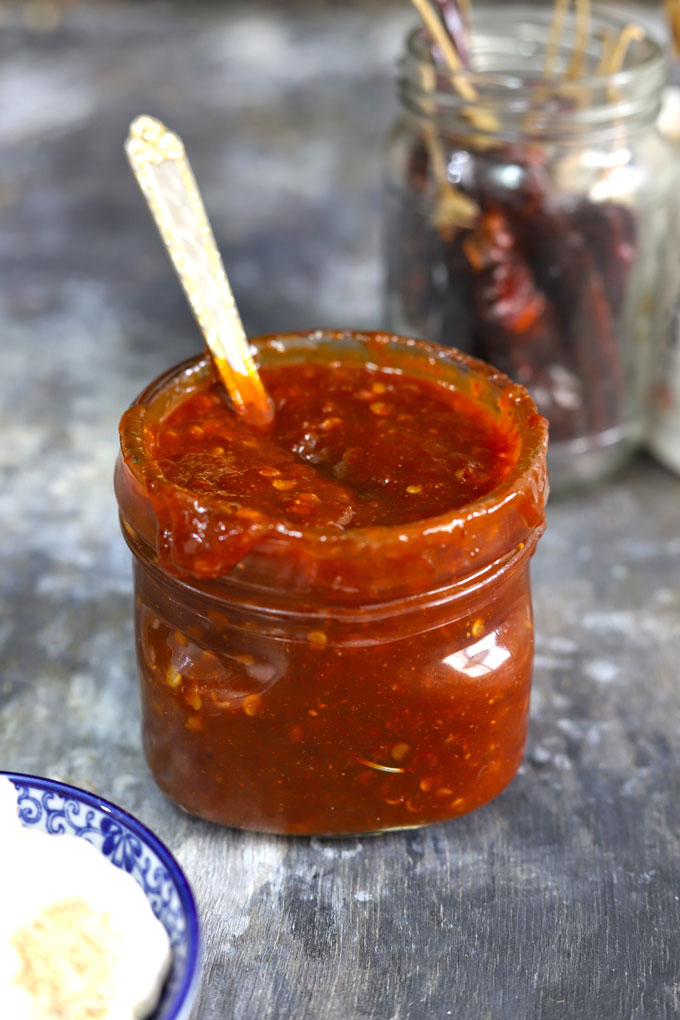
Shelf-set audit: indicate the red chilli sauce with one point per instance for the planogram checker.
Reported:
(333, 615)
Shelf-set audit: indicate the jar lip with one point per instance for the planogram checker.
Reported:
(493, 15)
(527, 474)
(597, 96)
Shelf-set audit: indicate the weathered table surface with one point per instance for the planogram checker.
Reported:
(560, 899)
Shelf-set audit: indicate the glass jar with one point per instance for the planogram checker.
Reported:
(529, 228)
(338, 682)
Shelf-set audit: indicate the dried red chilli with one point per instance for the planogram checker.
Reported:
(536, 289)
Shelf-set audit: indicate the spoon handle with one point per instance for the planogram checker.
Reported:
(159, 163)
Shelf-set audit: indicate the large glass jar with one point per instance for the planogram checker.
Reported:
(529, 227)
(338, 681)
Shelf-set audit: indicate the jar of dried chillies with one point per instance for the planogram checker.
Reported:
(527, 211)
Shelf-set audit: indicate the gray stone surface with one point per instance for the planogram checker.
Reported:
(558, 900)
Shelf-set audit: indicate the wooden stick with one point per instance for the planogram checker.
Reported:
(580, 40)
(608, 43)
(673, 15)
(436, 28)
(631, 33)
(453, 209)
(555, 37)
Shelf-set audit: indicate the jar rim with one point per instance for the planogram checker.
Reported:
(516, 504)
(597, 97)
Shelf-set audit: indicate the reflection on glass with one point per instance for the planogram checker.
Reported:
(479, 659)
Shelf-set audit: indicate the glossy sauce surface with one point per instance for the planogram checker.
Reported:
(349, 447)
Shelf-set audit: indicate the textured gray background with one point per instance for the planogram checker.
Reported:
(560, 899)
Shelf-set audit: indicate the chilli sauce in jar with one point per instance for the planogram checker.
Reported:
(333, 615)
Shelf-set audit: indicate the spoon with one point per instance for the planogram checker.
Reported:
(159, 163)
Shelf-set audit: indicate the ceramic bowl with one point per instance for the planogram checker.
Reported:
(49, 806)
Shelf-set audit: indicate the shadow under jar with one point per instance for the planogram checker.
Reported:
(531, 227)
(335, 680)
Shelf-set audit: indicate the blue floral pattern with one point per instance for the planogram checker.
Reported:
(56, 808)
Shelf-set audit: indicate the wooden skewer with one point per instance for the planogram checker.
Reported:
(581, 39)
(608, 43)
(631, 33)
(673, 15)
(436, 28)
(453, 209)
(555, 37)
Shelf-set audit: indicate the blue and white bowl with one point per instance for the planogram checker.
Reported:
(49, 806)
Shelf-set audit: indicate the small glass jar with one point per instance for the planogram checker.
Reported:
(338, 682)
(530, 228)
